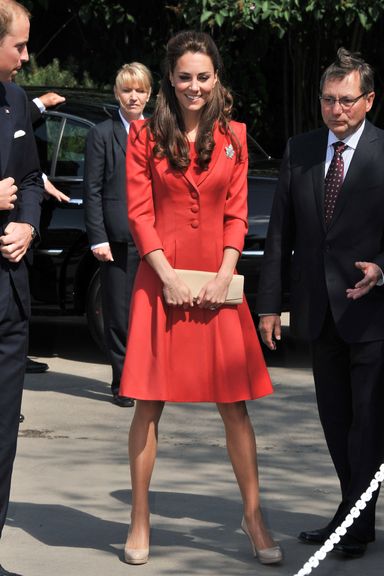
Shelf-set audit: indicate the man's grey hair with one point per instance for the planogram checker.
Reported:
(345, 63)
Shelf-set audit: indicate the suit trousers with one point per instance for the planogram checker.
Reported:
(13, 354)
(350, 397)
(117, 279)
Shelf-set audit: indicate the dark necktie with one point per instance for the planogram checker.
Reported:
(333, 180)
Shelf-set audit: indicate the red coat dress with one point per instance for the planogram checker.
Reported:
(193, 355)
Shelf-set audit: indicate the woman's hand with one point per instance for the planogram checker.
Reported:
(176, 292)
(214, 293)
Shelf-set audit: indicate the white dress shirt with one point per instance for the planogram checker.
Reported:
(351, 142)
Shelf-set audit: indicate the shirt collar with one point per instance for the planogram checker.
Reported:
(351, 140)
(125, 122)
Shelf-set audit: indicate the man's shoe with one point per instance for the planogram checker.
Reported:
(33, 367)
(123, 402)
(4, 572)
(350, 547)
(315, 536)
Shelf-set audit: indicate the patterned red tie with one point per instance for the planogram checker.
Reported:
(333, 180)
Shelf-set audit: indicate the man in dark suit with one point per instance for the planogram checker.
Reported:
(21, 191)
(329, 212)
(106, 216)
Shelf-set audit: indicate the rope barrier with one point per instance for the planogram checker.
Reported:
(341, 530)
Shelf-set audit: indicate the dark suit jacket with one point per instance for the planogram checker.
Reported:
(18, 159)
(322, 267)
(105, 183)
(34, 111)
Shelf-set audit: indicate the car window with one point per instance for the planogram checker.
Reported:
(70, 158)
(256, 153)
(47, 133)
(260, 197)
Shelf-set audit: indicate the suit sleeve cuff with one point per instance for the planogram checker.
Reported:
(99, 245)
(39, 104)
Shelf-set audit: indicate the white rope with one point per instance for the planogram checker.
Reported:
(341, 530)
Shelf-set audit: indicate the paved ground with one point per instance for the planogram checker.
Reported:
(71, 497)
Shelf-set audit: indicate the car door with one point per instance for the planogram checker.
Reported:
(61, 144)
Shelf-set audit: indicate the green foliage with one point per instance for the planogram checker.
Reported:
(112, 13)
(51, 75)
(281, 15)
(274, 51)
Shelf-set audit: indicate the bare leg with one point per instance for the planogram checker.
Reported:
(142, 447)
(241, 446)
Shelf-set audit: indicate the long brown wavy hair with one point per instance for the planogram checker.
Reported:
(167, 125)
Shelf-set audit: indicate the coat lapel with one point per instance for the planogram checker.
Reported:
(220, 141)
(318, 154)
(119, 131)
(353, 178)
(6, 125)
(190, 176)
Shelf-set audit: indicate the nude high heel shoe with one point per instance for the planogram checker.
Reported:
(267, 555)
(136, 555)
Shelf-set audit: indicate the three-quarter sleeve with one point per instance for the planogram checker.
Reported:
(141, 213)
(236, 208)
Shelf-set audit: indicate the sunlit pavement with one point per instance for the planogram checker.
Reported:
(70, 501)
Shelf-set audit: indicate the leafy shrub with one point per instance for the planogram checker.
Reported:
(51, 75)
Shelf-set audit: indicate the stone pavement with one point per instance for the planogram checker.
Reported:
(71, 496)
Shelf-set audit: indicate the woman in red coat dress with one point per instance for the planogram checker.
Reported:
(187, 208)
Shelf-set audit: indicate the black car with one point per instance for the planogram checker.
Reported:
(64, 277)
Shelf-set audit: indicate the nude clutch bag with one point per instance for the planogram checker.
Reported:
(195, 280)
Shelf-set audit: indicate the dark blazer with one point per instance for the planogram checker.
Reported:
(34, 111)
(322, 267)
(18, 159)
(104, 183)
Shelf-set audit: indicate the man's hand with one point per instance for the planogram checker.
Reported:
(51, 190)
(14, 244)
(7, 194)
(51, 99)
(103, 253)
(372, 274)
(270, 329)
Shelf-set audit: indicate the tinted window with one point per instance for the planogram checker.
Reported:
(260, 196)
(47, 132)
(256, 153)
(70, 159)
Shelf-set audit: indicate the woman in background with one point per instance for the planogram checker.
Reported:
(106, 212)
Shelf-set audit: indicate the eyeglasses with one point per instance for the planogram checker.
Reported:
(345, 102)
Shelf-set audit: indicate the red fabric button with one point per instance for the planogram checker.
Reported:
(194, 194)
(195, 223)
(195, 208)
